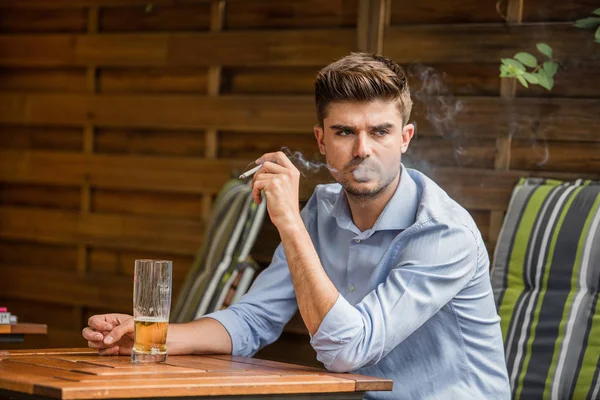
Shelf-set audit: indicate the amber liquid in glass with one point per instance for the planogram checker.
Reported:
(150, 335)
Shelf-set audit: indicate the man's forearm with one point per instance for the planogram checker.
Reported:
(315, 292)
(203, 336)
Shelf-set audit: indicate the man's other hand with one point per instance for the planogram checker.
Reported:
(111, 334)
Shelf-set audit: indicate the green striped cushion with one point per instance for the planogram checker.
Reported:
(545, 276)
(233, 202)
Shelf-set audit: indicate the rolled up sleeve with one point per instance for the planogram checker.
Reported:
(433, 263)
(258, 318)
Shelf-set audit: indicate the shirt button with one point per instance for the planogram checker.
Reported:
(351, 288)
(356, 240)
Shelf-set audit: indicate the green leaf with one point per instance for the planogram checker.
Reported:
(550, 68)
(526, 59)
(544, 79)
(545, 49)
(597, 35)
(513, 64)
(531, 78)
(523, 81)
(596, 11)
(589, 22)
(549, 83)
(504, 72)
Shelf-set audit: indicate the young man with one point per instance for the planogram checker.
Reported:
(390, 275)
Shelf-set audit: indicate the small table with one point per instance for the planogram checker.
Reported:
(83, 374)
(15, 333)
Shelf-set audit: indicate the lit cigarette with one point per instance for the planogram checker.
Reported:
(250, 172)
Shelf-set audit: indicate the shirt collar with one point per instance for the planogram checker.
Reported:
(399, 213)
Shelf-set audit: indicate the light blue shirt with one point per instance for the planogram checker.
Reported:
(415, 304)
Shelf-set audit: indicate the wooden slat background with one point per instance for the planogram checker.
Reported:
(120, 121)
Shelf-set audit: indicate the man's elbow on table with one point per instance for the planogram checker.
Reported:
(341, 365)
(345, 360)
(346, 340)
(346, 354)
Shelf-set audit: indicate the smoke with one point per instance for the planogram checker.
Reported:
(541, 151)
(530, 130)
(363, 173)
(436, 103)
(363, 169)
(535, 137)
(440, 105)
(304, 165)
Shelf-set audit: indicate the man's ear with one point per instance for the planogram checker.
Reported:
(319, 135)
(407, 134)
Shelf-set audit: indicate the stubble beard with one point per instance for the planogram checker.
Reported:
(363, 195)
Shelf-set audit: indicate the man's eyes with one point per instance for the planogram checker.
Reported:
(380, 132)
(345, 132)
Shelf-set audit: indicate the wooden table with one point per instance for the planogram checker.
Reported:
(16, 332)
(83, 374)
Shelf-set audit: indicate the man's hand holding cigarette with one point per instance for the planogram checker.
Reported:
(279, 179)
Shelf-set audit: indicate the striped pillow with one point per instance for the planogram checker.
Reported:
(232, 230)
(545, 276)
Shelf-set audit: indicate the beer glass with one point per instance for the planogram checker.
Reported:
(152, 283)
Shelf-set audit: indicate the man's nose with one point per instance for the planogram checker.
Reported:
(362, 145)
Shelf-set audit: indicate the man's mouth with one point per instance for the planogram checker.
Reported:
(364, 173)
(362, 164)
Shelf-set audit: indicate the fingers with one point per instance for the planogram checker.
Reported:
(95, 339)
(110, 351)
(104, 331)
(96, 345)
(118, 332)
(257, 187)
(99, 323)
(275, 171)
(267, 168)
(270, 167)
(278, 157)
(273, 176)
(92, 335)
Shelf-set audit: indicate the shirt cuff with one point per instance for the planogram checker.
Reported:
(342, 323)
(233, 324)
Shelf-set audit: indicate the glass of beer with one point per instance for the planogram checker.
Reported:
(152, 282)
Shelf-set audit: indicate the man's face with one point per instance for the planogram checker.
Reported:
(363, 144)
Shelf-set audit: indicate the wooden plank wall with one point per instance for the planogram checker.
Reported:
(120, 121)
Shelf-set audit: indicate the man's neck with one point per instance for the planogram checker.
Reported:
(365, 211)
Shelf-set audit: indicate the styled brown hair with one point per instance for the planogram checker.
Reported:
(362, 77)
